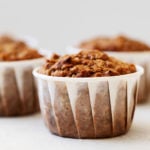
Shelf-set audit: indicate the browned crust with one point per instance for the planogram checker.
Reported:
(28, 97)
(83, 113)
(36, 98)
(2, 112)
(132, 104)
(47, 109)
(63, 111)
(88, 115)
(135, 101)
(10, 93)
(144, 85)
(102, 111)
(120, 114)
(15, 100)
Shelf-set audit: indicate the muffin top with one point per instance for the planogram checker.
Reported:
(120, 43)
(87, 63)
(15, 50)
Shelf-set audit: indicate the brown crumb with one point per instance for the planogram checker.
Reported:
(14, 50)
(120, 43)
(87, 63)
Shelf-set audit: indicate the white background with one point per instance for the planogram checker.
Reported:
(59, 23)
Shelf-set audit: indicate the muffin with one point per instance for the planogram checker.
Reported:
(119, 44)
(128, 50)
(82, 95)
(17, 87)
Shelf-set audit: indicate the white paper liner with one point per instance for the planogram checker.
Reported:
(88, 107)
(17, 87)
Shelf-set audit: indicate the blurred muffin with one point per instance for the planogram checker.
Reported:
(17, 87)
(82, 95)
(119, 43)
(129, 50)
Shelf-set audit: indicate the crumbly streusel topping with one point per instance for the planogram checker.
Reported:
(14, 50)
(87, 63)
(120, 43)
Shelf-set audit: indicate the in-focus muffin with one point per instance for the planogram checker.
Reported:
(17, 87)
(87, 95)
(126, 49)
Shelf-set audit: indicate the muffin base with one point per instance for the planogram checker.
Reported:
(88, 109)
(18, 94)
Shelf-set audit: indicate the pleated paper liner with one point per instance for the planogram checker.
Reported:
(88, 107)
(18, 94)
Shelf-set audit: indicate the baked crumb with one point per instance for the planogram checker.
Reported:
(15, 50)
(120, 43)
(87, 63)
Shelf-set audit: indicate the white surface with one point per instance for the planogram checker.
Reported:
(30, 133)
